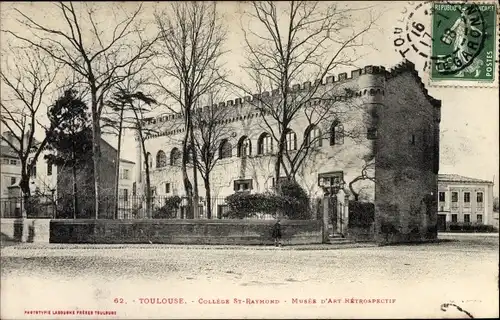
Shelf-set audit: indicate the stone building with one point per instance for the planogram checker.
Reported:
(85, 186)
(464, 200)
(383, 135)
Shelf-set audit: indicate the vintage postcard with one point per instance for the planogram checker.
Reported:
(267, 159)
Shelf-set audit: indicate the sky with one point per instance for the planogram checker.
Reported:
(469, 115)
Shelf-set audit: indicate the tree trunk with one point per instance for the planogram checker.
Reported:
(117, 170)
(148, 180)
(351, 187)
(196, 202)
(206, 181)
(75, 189)
(188, 187)
(96, 152)
(24, 184)
(279, 159)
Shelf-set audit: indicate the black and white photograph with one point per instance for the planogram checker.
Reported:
(249, 159)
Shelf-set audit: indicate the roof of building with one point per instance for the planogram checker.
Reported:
(7, 151)
(459, 178)
(126, 161)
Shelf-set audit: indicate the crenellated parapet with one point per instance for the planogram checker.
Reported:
(368, 81)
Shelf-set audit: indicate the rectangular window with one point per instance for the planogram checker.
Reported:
(49, 169)
(153, 191)
(167, 187)
(467, 218)
(479, 197)
(372, 133)
(33, 171)
(134, 188)
(454, 218)
(12, 181)
(442, 196)
(467, 197)
(124, 174)
(242, 185)
(13, 162)
(454, 197)
(123, 195)
(479, 218)
(5, 161)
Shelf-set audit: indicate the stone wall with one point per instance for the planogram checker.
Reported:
(243, 232)
(25, 230)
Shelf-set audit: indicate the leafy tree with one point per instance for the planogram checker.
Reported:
(71, 141)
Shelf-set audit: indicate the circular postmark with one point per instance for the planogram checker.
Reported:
(448, 36)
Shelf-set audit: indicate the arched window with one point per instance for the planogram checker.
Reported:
(225, 149)
(149, 160)
(175, 157)
(313, 135)
(244, 147)
(291, 140)
(265, 144)
(161, 159)
(336, 133)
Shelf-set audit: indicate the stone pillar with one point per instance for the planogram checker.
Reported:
(326, 216)
(346, 215)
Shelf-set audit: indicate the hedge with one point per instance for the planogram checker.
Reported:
(292, 201)
(469, 227)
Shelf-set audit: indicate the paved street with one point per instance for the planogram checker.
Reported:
(408, 281)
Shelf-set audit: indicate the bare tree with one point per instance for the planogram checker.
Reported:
(367, 174)
(191, 46)
(27, 79)
(119, 115)
(302, 40)
(97, 51)
(139, 105)
(210, 132)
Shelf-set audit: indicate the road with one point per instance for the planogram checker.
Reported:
(381, 282)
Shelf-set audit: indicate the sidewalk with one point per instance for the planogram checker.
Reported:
(70, 246)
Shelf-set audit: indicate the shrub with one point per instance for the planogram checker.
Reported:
(169, 209)
(296, 202)
(361, 214)
(246, 205)
(291, 200)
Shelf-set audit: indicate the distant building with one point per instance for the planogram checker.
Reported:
(10, 170)
(126, 189)
(42, 177)
(464, 200)
(85, 186)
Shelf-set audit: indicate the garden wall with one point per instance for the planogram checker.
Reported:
(244, 232)
(25, 230)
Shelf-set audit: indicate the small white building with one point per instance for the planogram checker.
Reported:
(464, 200)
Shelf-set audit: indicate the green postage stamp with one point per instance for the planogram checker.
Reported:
(464, 41)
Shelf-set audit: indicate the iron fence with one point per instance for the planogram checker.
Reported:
(127, 207)
(39, 206)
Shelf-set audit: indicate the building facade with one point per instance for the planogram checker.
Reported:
(384, 123)
(464, 200)
(10, 170)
